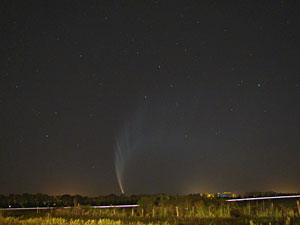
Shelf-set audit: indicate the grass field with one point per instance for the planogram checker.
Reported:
(76, 221)
(181, 211)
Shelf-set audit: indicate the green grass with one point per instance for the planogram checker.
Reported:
(204, 212)
(63, 221)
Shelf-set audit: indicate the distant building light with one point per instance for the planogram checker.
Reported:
(227, 195)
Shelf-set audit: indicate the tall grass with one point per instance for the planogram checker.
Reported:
(200, 209)
(62, 221)
(194, 212)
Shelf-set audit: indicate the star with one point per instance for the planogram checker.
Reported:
(219, 132)
(240, 83)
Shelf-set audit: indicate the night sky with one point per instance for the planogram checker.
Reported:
(194, 96)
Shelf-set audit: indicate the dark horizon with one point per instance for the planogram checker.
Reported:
(250, 193)
(159, 96)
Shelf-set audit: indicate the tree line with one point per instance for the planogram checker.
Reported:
(43, 200)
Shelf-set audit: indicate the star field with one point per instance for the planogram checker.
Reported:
(212, 87)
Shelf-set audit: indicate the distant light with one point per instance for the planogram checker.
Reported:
(145, 97)
(262, 198)
(46, 135)
(258, 85)
(114, 206)
(68, 207)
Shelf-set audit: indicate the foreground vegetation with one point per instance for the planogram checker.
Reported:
(165, 209)
(63, 221)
